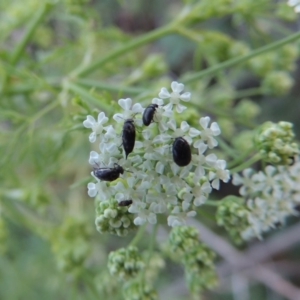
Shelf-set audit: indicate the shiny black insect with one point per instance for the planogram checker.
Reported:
(149, 114)
(108, 174)
(181, 152)
(128, 136)
(125, 203)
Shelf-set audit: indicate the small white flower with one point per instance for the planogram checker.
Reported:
(92, 189)
(175, 97)
(96, 126)
(208, 133)
(151, 178)
(129, 110)
(220, 173)
(295, 4)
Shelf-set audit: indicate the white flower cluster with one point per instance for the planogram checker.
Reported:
(295, 4)
(151, 179)
(271, 196)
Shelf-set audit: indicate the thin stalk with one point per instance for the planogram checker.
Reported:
(140, 41)
(240, 158)
(246, 164)
(212, 203)
(140, 234)
(257, 91)
(226, 148)
(35, 21)
(112, 88)
(85, 94)
(241, 59)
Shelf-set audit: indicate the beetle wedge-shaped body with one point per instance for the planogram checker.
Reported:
(108, 174)
(128, 136)
(181, 152)
(125, 203)
(149, 114)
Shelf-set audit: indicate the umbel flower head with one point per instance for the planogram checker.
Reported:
(272, 195)
(276, 142)
(157, 176)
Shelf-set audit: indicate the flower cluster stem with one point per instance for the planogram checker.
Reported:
(234, 61)
(140, 41)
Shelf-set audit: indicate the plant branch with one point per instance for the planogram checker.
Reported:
(234, 61)
(133, 44)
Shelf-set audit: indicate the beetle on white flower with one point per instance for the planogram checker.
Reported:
(152, 180)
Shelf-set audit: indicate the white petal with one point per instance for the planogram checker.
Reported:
(118, 117)
(184, 126)
(177, 87)
(159, 168)
(185, 97)
(92, 190)
(211, 159)
(172, 124)
(102, 119)
(204, 122)
(138, 221)
(164, 94)
(216, 184)
(92, 137)
(137, 108)
(89, 122)
(158, 101)
(194, 132)
(180, 108)
(191, 214)
(212, 143)
(221, 164)
(200, 200)
(125, 103)
(215, 128)
(94, 158)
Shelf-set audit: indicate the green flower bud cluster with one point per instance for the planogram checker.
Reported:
(247, 109)
(277, 83)
(107, 287)
(3, 236)
(275, 141)
(125, 263)
(197, 258)
(71, 244)
(281, 60)
(232, 214)
(137, 290)
(113, 219)
(154, 265)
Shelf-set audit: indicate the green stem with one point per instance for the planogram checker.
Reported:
(140, 234)
(135, 43)
(249, 92)
(226, 148)
(86, 95)
(112, 88)
(212, 203)
(35, 21)
(241, 59)
(239, 159)
(246, 164)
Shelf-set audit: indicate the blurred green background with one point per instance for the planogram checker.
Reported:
(48, 242)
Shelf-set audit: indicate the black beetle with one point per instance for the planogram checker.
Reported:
(108, 174)
(181, 152)
(128, 136)
(125, 203)
(149, 114)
